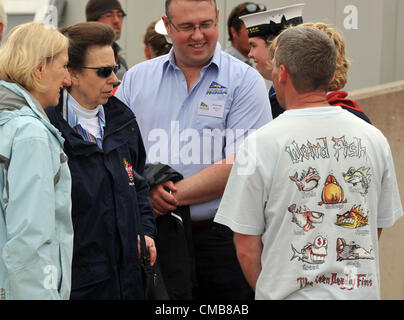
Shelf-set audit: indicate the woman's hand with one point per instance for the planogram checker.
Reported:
(150, 246)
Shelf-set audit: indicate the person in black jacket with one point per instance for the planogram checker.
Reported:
(106, 159)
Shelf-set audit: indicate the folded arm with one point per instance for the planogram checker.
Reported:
(206, 185)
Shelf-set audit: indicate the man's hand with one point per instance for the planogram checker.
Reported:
(162, 199)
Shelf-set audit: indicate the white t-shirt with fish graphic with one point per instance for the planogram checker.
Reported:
(316, 184)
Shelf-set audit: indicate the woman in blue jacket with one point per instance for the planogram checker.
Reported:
(106, 159)
(36, 232)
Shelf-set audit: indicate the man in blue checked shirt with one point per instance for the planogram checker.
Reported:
(194, 107)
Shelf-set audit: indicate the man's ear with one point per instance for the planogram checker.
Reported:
(233, 32)
(283, 73)
(166, 24)
(73, 76)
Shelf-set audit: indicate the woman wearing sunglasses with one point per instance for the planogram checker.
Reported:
(106, 159)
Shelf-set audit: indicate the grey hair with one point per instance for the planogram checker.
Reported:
(310, 57)
(168, 2)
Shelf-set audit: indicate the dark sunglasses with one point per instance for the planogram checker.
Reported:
(252, 7)
(104, 72)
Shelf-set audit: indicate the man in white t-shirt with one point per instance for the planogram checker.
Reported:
(310, 192)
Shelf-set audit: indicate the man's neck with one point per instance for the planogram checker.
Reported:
(191, 76)
(191, 73)
(307, 100)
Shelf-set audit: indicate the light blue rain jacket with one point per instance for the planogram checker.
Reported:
(36, 232)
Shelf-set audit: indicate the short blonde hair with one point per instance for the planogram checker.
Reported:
(26, 47)
(341, 74)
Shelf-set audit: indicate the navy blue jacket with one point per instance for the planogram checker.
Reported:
(106, 199)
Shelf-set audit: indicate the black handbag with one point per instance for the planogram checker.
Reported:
(174, 240)
(153, 284)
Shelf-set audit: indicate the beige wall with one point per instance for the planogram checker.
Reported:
(375, 47)
(384, 106)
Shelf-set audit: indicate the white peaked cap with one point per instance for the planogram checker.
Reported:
(272, 21)
(161, 29)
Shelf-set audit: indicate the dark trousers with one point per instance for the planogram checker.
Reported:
(218, 271)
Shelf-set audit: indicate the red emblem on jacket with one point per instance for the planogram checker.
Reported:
(129, 170)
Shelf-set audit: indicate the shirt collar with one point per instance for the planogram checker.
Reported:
(217, 56)
(71, 117)
(216, 59)
(272, 91)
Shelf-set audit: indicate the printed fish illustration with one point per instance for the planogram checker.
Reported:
(360, 176)
(313, 253)
(308, 180)
(304, 217)
(353, 218)
(351, 251)
(332, 192)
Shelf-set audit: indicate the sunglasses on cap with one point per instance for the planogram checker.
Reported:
(104, 72)
(253, 7)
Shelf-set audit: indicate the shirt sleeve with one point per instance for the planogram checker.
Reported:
(250, 110)
(30, 220)
(242, 205)
(390, 208)
(123, 91)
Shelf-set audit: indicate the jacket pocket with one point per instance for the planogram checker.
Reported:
(85, 275)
